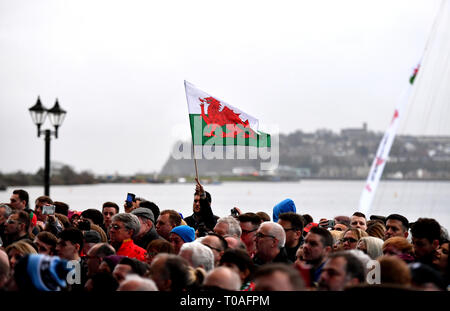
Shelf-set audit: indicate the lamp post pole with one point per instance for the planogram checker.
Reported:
(47, 163)
(38, 114)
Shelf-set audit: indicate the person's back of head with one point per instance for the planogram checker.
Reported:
(100, 231)
(307, 219)
(4, 268)
(161, 246)
(241, 259)
(424, 277)
(374, 246)
(95, 215)
(234, 229)
(376, 229)
(103, 282)
(61, 208)
(135, 282)
(278, 277)
(103, 249)
(64, 220)
(138, 267)
(200, 255)
(178, 272)
(393, 270)
(235, 243)
(427, 228)
(223, 278)
(263, 216)
(287, 205)
(345, 220)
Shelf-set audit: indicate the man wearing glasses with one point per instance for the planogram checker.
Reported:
(270, 240)
(249, 223)
(292, 224)
(17, 227)
(125, 227)
(217, 244)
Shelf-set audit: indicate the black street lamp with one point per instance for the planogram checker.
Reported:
(38, 114)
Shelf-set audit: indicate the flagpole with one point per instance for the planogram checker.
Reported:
(192, 138)
(195, 161)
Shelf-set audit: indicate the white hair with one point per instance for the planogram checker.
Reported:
(144, 284)
(361, 256)
(224, 278)
(374, 246)
(201, 255)
(277, 231)
(234, 227)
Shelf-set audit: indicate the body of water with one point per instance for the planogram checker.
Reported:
(319, 198)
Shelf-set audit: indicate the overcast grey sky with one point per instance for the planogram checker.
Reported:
(118, 68)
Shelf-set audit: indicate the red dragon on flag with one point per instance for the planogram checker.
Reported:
(218, 115)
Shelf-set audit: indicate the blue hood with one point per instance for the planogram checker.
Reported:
(284, 206)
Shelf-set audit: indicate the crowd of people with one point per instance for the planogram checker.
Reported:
(143, 248)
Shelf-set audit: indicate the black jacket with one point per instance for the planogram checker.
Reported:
(147, 238)
(282, 257)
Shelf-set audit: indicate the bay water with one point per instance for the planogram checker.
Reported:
(319, 198)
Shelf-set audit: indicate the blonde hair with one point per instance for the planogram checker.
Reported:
(358, 232)
(22, 247)
(373, 246)
(376, 229)
(337, 235)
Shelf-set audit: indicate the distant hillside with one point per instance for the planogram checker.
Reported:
(325, 154)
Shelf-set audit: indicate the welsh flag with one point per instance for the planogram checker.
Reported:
(214, 122)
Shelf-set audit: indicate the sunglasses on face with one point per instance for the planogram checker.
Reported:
(115, 227)
(350, 240)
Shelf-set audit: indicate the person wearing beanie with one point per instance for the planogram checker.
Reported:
(180, 235)
(147, 232)
(287, 205)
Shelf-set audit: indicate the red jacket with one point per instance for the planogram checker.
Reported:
(129, 249)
